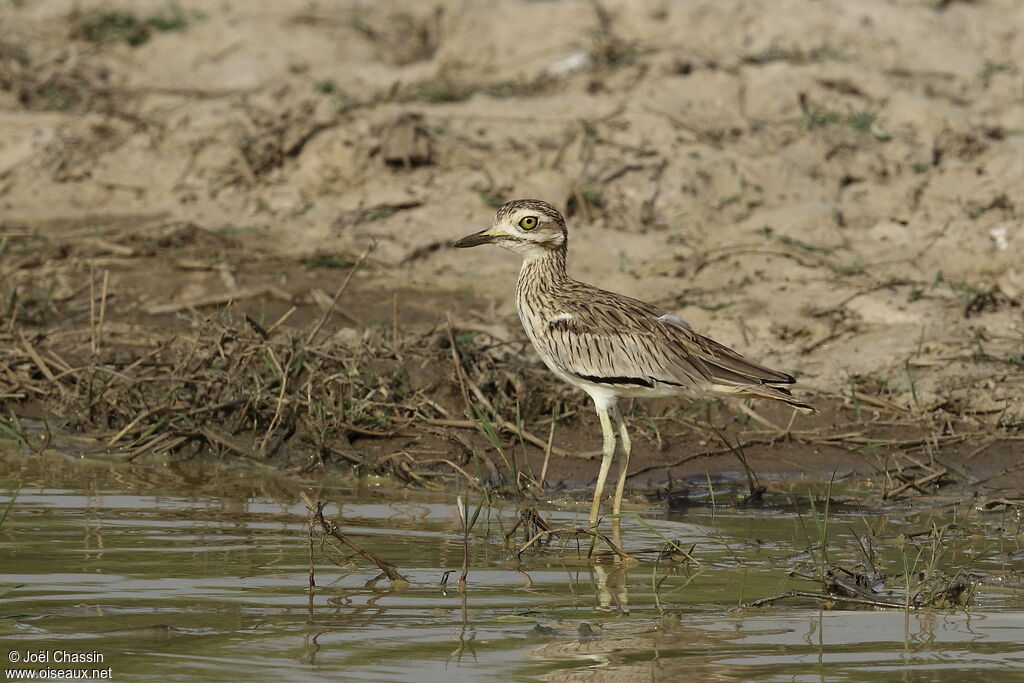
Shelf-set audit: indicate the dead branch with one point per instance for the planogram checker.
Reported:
(826, 598)
(331, 529)
(578, 531)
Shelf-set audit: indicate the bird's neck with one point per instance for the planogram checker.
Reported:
(544, 268)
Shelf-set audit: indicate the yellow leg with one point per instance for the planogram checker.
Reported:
(606, 463)
(623, 463)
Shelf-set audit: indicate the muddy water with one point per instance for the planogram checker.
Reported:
(203, 574)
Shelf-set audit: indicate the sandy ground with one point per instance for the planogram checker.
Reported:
(832, 188)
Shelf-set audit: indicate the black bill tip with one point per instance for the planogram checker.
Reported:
(475, 240)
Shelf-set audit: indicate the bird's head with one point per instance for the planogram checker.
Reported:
(528, 227)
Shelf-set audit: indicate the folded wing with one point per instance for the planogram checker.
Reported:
(616, 340)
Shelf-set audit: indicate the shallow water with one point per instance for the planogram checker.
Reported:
(203, 574)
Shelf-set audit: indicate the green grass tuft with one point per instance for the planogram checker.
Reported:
(121, 26)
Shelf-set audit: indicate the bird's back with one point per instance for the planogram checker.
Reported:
(593, 337)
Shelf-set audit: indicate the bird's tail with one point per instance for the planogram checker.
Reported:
(770, 391)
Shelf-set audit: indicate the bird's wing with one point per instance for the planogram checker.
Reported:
(722, 364)
(609, 338)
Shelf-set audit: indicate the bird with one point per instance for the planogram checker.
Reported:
(610, 345)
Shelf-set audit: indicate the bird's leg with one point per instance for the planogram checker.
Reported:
(626, 446)
(606, 462)
(623, 465)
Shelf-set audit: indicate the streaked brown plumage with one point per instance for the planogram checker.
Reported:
(611, 345)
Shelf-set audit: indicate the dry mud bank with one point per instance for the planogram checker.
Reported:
(832, 188)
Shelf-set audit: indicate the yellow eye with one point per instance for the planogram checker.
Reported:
(528, 223)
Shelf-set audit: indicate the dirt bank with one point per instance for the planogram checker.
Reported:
(830, 188)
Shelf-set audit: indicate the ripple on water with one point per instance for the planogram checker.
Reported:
(172, 585)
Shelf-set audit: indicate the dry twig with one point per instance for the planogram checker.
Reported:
(331, 529)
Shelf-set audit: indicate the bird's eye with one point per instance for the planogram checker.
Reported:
(528, 223)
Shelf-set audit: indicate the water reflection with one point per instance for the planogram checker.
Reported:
(191, 581)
